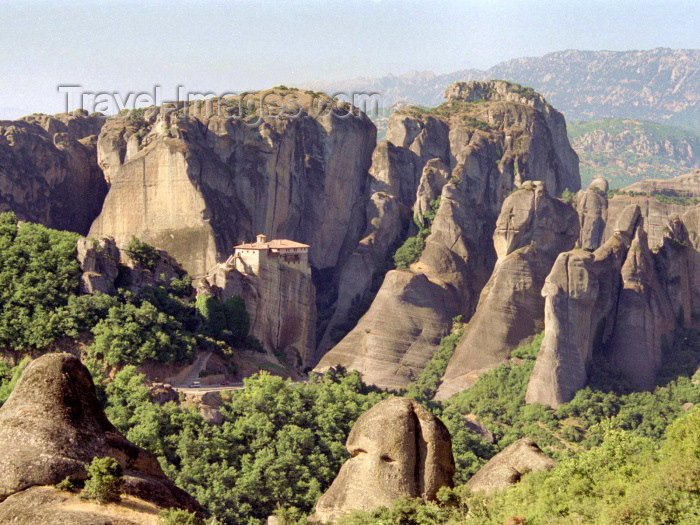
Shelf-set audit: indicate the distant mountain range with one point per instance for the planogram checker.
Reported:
(660, 85)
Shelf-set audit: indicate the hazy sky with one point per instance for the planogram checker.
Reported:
(217, 46)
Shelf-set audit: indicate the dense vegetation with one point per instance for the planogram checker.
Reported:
(281, 444)
(39, 272)
(41, 304)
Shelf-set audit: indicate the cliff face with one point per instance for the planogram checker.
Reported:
(485, 140)
(196, 186)
(644, 315)
(531, 230)
(49, 172)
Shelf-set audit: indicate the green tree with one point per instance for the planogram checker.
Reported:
(131, 334)
(104, 481)
(39, 271)
(237, 318)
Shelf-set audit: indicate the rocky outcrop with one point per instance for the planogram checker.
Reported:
(508, 466)
(488, 148)
(532, 229)
(104, 265)
(592, 207)
(581, 295)
(658, 201)
(195, 184)
(687, 185)
(645, 320)
(52, 426)
(398, 449)
(678, 262)
(49, 172)
(99, 262)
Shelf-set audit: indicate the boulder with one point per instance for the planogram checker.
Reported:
(52, 426)
(398, 449)
(50, 506)
(509, 465)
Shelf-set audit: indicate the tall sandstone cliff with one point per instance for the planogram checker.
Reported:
(196, 184)
(531, 230)
(49, 172)
(623, 300)
(488, 138)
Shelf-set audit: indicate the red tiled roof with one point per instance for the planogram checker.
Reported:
(274, 244)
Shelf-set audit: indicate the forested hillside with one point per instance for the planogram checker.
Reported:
(625, 151)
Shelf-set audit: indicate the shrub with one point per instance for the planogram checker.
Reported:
(65, 485)
(409, 251)
(104, 481)
(178, 517)
(144, 254)
(567, 196)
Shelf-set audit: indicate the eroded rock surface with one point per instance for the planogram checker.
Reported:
(531, 230)
(49, 172)
(508, 466)
(581, 296)
(196, 185)
(474, 154)
(52, 426)
(645, 320)
(398, 449)
(592, 207)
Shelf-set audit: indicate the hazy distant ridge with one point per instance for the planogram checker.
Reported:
(661, 85)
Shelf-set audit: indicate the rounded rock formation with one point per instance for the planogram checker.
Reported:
(52, 426)
(399, 449)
